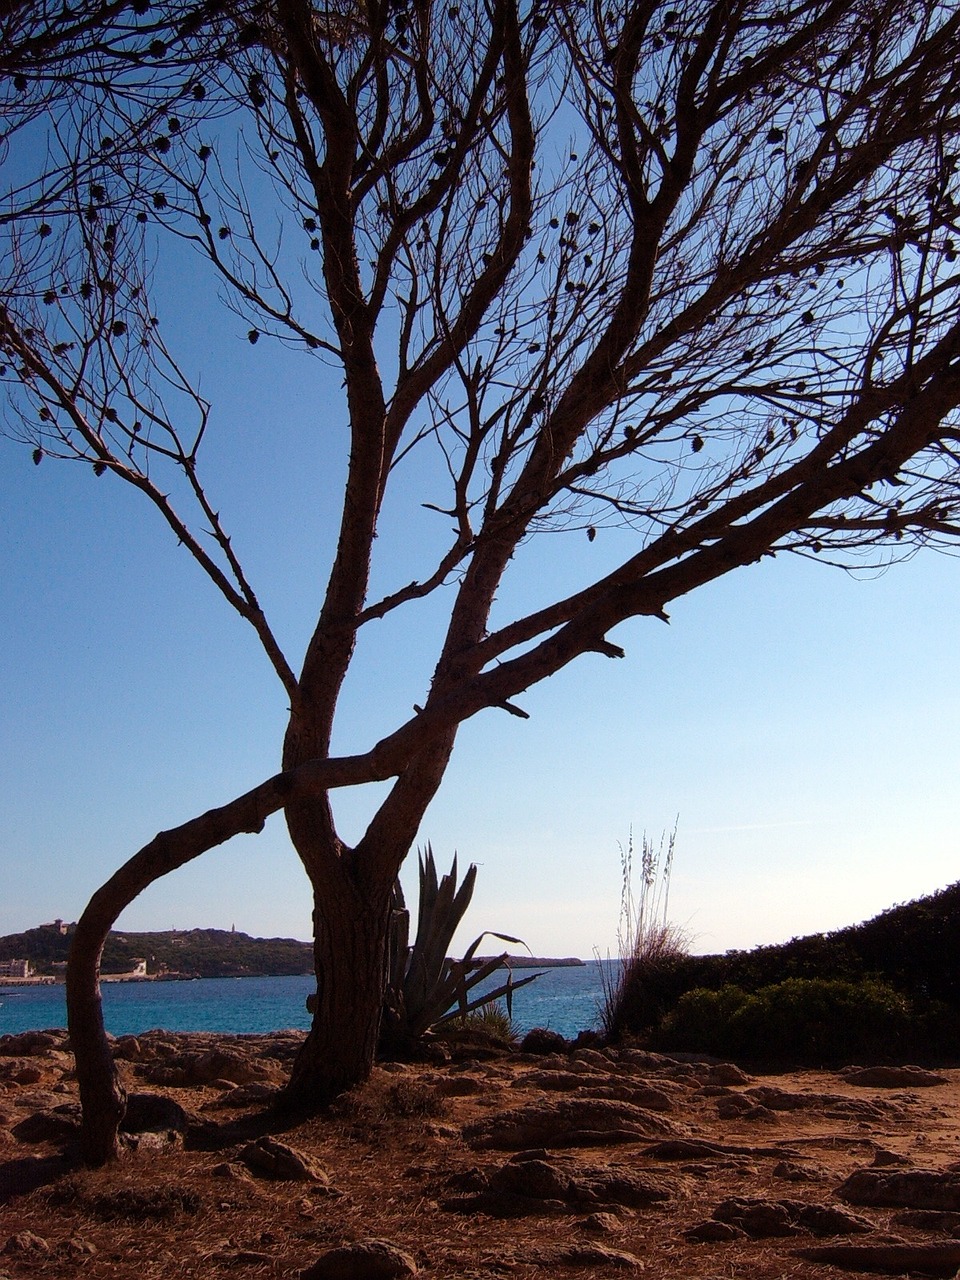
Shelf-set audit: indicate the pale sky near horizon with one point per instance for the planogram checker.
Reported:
(801, 725)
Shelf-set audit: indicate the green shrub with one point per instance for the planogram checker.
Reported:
(704, 1022)
(491, 1021)
(815, 1020)
(809, 1021)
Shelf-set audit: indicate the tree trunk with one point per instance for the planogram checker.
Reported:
(350, 941)
(102, 1096)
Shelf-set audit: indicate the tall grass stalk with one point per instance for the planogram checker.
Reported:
(645, 937)
(643, 918)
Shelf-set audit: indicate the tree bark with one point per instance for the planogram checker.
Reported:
(103, 1098)
(350, 944)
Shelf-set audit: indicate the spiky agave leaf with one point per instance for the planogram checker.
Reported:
(459, 977)
(489, 997)
(441, 909)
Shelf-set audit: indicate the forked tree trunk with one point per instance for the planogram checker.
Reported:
(350, 940)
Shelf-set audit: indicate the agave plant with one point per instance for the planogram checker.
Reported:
(425, 987)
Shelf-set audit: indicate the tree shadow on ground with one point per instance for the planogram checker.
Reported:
(19, 1177)
(210, 1135)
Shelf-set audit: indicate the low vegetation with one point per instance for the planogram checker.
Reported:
(803, 1021)
(493, 1024)
(886, 988)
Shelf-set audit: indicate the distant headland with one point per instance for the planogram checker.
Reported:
(40, 955)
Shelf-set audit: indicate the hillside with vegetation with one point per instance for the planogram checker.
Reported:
(891, 982)
(193, 953)
(915, 947)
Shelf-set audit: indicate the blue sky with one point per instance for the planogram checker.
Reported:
(803, 724)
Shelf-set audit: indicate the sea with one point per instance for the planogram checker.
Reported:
(565, 999)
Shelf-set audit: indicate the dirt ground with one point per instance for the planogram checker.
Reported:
(594, 1163)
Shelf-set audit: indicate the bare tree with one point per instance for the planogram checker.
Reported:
(688, 270)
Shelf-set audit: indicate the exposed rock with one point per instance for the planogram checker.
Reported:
(942, 1221)
(596, 1255)
(760, 1218)
(759, 1101)
(602, 1222)
(128, 1049)
(533, 1183)
(775, 1099)
(29, 1243)
(535, 1179)
(435, 1130)
(869, 1110)
(460, 1085)
(231, 1171)
(568, 1123)
(192, 1069)
(897, 1259)
(641, 1095)
(902, 1189)
(31, 1044)
(893, 1077)
(57, 1125)
(153, 1113)
(243, 1095)
(597, 1085)
(682, 1149)
(731, 1106)
(554, 1062)
(883, 1159)
(593, 1058)
(35, 1100)
(790, 1171)
(763, 1218)
(824, 1220)
(714, 1232)
(365, 1260)
(725, 1073)
(26, 1075)
(558, 1081)
(663, 1066)
(643, 1059)
(76, 1248)
(272, 1159)
(152, 1140)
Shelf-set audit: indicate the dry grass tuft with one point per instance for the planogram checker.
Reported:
(130, 1204)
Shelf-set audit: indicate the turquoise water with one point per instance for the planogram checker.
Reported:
(565, 1000)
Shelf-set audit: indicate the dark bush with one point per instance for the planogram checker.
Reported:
(803, 1020)
(703, 1022)
(413, 1098)
(646, 990)
(914, 947)
(543, 1040)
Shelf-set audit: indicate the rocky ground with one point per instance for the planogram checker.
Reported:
(589, 1163)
